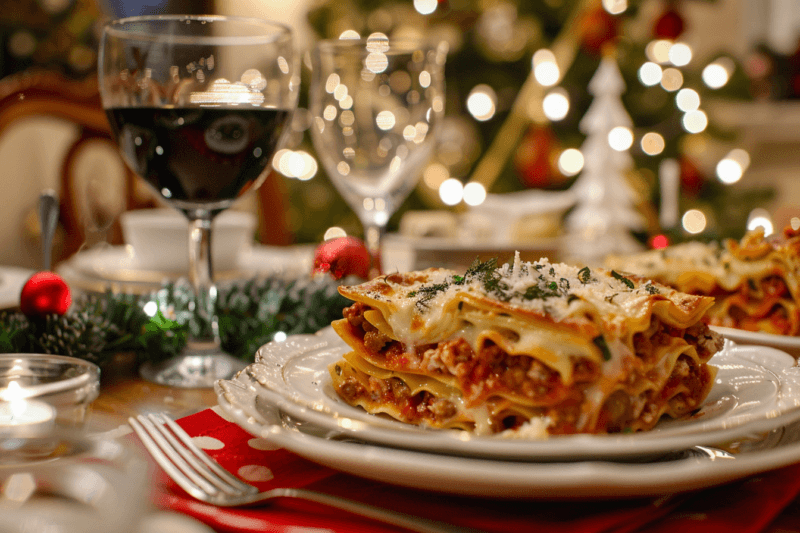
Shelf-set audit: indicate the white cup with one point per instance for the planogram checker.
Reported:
(160, 239)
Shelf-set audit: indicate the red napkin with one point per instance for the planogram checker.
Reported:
(747, 506)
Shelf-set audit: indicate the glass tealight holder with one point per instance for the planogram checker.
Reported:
(42, 393)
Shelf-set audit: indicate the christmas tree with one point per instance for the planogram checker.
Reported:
(602, 221)
(498, 133)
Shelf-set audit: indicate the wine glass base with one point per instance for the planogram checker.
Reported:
(192, 371)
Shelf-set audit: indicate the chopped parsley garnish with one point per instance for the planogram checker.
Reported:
(600, 342)
(651, 289)
(622, 278)
(585, 275)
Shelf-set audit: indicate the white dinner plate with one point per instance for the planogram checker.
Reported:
(11, 281)
(787, 343)
(495, 478)
(115, 267)
(756, 389)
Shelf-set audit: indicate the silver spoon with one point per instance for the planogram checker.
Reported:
(48, 218)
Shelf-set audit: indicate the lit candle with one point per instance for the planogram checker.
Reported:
(18, 411)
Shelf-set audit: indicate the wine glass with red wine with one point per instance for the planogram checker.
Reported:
(198, 106)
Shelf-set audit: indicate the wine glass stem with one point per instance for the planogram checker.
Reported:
(202, 279)
(373, 237)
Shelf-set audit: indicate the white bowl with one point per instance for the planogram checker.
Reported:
(160, 238)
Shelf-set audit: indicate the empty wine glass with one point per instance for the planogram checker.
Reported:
(375, 104)
(198, 105)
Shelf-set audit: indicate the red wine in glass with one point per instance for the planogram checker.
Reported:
(196, 156)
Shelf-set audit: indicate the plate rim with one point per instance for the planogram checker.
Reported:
(580, 446)
(483, 477)
(758, 337)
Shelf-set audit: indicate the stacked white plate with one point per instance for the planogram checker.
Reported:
(753, 410)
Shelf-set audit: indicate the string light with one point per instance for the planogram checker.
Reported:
(694, 221)
(672, 79)
(650, 74)
(652, 143)
(687, 100)
(545, 68)
(731, 168)
(620, 138)
(658, 51)
(425, 7)
(451, 191)
(695, 121)
(729, 171)
(615, 7)
(474, 193)
(715, 75)
(481, 102)
(556, 104)
(334, 232)
(570, 162)
(679, 54)
(759, 218)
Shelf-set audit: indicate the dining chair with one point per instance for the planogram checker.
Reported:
(72, 141)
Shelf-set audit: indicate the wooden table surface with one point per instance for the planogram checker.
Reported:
(124, 394)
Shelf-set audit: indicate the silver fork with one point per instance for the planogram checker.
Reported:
(203, 478)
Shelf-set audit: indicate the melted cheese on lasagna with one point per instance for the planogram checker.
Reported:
(508, 348)
(755, 282)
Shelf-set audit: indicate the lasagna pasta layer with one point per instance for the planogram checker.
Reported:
(502, 349)
(754, 281)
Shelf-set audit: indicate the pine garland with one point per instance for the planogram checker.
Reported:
(155, 326)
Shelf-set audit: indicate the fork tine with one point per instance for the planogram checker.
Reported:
(192, 458)
(203, 456)
(169, 452)
(169, 467)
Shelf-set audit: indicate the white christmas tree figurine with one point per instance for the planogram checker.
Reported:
(605, 212)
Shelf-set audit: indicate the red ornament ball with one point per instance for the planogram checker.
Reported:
(343, 256)
(598, 28)
(45, 293)
(669, 25)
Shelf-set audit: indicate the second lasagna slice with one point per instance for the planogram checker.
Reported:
(529, 349)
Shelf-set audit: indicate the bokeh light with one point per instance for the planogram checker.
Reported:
(658, 51)
(481, 102)
(760, 218)
(672, 79)
(729, 171)
(653, 143)
(556, 104)
(349, 34)
(680, 54)
(434, 175)
(659, 241)
(545, 68)
(615, 7)
(650, 74)
(687, 100)
(695, 121)
(474, 193)
(451, 191)
(694, 221)
(425, 7)
(334, 232)
(570, 162)
(620, 138)
(715, 75)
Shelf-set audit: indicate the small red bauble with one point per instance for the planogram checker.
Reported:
(45, 293)
(598, 28)
(669, 25)
(344, 256)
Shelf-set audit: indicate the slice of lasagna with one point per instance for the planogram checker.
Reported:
(754, 281)
(528, 349)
